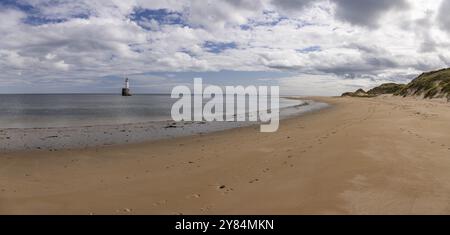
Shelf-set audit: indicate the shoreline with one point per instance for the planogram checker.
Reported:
(60, 138)
(386, 155)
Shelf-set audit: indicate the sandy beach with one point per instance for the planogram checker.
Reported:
(384, 155)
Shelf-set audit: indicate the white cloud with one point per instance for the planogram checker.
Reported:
(323, 84)
(85, 40)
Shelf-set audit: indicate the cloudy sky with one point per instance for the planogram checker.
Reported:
(321, 47)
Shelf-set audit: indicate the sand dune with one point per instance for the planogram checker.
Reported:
(384, 155)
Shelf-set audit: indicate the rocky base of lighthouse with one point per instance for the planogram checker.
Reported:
(126, 92)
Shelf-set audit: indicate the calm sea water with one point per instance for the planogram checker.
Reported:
(70, 110)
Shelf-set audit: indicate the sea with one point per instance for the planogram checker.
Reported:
(73, 121)
(73, 110)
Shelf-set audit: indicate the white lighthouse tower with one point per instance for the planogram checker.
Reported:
(126, 89)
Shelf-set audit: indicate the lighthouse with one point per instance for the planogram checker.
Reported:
(126, 88)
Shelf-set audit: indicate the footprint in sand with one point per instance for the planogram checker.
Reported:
(127, 210)
(206, 208)
(253, 181)
(160, 203)
(124, 210)
(193, 196)
(224, 189)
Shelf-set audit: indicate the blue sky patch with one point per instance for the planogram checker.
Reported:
(218, 47)
(271, 19)
(34, 16)
(310, 49)
(161, 16)
(17, 5)
(40, 20)
(37, 20)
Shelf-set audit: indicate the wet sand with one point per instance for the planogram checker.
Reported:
(385, 155)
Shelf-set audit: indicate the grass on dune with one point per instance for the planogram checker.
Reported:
(434, 84)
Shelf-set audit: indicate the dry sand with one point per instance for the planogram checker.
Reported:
(385, 155)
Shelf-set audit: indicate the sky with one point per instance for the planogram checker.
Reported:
(321, 47)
